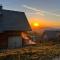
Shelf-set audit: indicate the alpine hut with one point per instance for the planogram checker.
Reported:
(12, 24)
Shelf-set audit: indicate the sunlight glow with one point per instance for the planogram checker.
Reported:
(35, 24)
(41, 23)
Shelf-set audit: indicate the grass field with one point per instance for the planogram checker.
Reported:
(36, 52)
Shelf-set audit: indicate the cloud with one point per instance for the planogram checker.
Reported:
(40, 12)
(36, 13)
(33, 9)
(28, 7)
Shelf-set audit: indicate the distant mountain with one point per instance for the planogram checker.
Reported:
(42, 29)
(58, 29)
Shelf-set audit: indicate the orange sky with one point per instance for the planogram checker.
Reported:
(43, 23)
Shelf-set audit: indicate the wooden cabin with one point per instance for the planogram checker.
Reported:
(12, 23)
(51, 34)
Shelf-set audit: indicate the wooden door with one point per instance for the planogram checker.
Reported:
(14, 42)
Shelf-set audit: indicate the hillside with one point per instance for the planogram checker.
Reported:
(36, 52)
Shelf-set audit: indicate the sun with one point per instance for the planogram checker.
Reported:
(36, 24)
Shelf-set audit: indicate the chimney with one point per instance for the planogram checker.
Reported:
(0, 10)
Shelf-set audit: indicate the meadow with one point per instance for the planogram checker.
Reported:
(33, 52)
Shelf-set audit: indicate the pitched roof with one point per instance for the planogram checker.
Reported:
(51, 33)
(13, 20)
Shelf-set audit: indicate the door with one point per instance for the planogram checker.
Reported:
(14, 42)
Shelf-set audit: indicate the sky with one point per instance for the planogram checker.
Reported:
(44, 12)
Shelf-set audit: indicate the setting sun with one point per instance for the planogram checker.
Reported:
(35, 24)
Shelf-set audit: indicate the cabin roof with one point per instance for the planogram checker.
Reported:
(13, 20)
(51, 33)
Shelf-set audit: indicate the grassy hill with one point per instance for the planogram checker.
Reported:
(35, 52)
